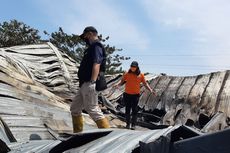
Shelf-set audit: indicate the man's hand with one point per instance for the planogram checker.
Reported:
(92, 86)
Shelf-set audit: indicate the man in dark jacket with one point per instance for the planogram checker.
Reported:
(92, 64)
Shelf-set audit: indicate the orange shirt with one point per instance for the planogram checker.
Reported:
(132, 85)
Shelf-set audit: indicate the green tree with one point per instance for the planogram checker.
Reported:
(71, 44)
(17, 33)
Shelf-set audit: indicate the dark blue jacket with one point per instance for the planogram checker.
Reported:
(90, 54)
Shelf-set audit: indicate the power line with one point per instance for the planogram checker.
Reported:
(173, 65)
(189, 69)
(186, 67)
(182, 55)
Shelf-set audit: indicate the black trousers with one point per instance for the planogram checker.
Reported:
(131, 102)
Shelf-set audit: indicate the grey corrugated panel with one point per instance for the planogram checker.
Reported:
(39, 61)
(185, 99)
(161, 86)
(121, 141)
(26, 118)
(32, 46)
(36, 146)
(218, 121)
(208, 101)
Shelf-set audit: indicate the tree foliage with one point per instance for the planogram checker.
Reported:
(71, 44)
(17, 33)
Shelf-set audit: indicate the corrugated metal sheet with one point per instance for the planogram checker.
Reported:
(175, 139)
(121, 141)
(35, 89)
(36, 146)
(185, 99)
(45, 64)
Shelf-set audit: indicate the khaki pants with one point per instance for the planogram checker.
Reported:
(87, 99)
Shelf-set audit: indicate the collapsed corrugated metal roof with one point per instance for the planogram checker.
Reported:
(35, 88)
(38, 82)
(200, 101)
(44, 64)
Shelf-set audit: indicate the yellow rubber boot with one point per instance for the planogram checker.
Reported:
(103, 123)
(77, 123)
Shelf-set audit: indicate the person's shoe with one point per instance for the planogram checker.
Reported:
(103, 123)
(77, 123)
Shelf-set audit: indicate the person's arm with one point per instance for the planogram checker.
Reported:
(147, 86)
(121, 82)
(95, 71)
(98, 57)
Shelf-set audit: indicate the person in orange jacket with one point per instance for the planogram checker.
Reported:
(132, 79)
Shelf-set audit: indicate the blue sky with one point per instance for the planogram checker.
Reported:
(176, 37)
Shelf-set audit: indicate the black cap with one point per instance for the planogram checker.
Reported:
(134, 64)
(88, 29)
